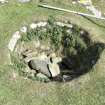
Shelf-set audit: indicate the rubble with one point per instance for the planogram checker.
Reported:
(43, 64)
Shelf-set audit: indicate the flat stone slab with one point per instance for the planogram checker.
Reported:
(23, 1)
(39, 24)
(16, 36)
(3, 1)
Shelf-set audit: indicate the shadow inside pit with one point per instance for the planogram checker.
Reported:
(75, 66)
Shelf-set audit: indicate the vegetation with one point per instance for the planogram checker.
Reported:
(18, 64)
(58, 36)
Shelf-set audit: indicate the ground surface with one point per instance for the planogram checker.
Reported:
(89, 89)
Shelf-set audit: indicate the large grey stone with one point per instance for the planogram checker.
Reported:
(24, 1)
(41, 66)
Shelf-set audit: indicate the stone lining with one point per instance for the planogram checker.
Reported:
(17, 35)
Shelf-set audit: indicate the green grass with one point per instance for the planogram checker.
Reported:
(86, 90)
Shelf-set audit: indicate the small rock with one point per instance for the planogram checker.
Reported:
(28, 59)
(43, 56)
(32, 73)
(42, 76)
(63, 24)
(33, 26)
(66, 78)
(34, 57)
(54, 69)
(43, 47)
(24, 1)
(23, 29)
(26, 70)
(93, 62)
(29, 54)
(85, 2)
(73, 2)
(26, 52)
(14, 75)
(60, 24)
(56, 60)
(42, 24)
(69, 31)
(52, 55)
(82, 32)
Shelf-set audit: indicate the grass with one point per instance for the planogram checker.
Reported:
(89, 89)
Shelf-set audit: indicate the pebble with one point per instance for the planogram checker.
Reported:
(23, 29)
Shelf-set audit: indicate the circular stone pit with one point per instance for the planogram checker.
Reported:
(39, 56)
